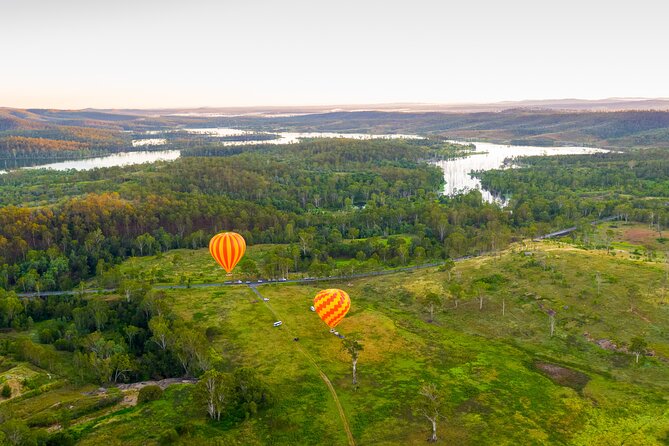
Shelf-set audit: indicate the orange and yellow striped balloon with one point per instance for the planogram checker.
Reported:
(227, 248)
(332, 305)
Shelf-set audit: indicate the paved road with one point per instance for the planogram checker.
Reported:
(246, 283)
(307, 280)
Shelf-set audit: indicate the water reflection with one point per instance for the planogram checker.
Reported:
(492, 156)
(117, 159)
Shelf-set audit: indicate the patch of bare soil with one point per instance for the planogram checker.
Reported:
(563, 376)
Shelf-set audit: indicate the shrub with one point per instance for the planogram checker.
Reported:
(6, 391)
(169, 436)
(64, 345)
(185, 429)
(212, 332)
(60, 439)
(149, 393)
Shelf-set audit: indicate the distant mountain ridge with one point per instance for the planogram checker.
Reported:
(614, 123)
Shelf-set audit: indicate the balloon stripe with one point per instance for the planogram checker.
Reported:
(338, 317)
(214, 248)
(331, 311)
(324, 301)
(228, 252)
(239, 250)
(217, 248)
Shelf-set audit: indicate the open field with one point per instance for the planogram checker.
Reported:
(505, 379)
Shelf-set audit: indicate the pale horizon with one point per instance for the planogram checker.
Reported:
(77, 54)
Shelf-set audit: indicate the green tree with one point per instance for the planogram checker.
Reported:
(216, 390)
(430, 302)
(638, 346)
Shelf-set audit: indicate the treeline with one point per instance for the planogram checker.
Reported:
(55, 140)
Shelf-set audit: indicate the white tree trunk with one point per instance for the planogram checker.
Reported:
(355, 371)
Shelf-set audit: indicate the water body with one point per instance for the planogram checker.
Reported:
(290, 137)
(149, 142)
(117, 159)
(488, 156)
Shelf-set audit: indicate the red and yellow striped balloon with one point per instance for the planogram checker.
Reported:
(227, 248)
(332, 305)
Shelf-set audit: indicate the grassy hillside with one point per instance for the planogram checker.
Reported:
(504, 378)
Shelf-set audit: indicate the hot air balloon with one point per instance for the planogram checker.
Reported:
(332, 305)
(227, 248)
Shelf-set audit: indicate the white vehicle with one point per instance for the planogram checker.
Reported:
(266, 299)
(248, 281)
(278, 323)
(259, 280)
(239, 281)
(312, 308)
(283, 279)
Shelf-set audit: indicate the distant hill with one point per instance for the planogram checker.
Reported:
(618, 123)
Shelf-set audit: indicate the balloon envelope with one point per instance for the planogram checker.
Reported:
(227, 248)
(332, 305)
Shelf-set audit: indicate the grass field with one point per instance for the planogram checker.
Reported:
(182, 266)
(504, 378)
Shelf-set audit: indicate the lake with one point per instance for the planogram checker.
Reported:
(489, 156)
(117, 159)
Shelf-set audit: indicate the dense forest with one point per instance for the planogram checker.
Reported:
(323, 199)
(314, 196)
(634, 185)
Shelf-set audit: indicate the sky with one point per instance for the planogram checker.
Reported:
(218, 53)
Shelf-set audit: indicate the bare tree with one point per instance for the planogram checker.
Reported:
(430, 407)
(353, 348)
(598, 281)
(551, 318)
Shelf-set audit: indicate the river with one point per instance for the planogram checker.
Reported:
(488, 156)
(457, 171)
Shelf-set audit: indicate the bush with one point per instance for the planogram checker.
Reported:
(6, 391)
(212, 332)
(60, 439)
(47, 336)
(149, 393)
(169, 436)
(185, 429)
(64, 345)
